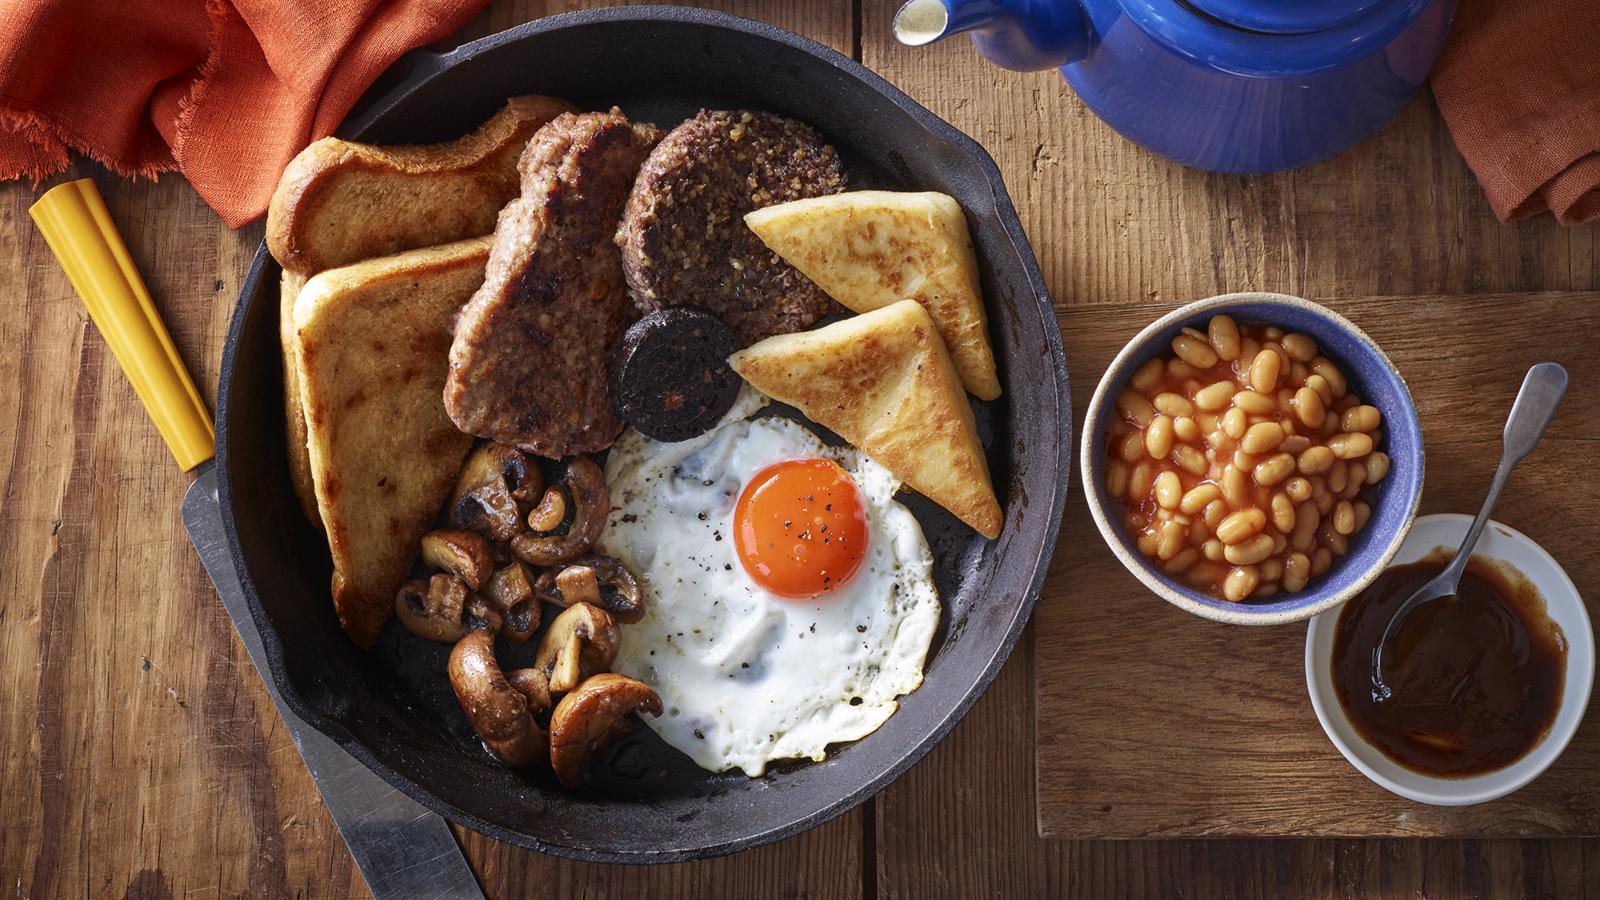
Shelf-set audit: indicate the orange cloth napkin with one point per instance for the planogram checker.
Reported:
(1519, 86)
(224, 92)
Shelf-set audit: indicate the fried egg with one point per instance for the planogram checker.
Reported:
(789, 598)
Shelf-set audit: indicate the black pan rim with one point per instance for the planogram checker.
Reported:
(1043, 307)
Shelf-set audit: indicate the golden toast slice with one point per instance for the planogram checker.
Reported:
(884, 381)
(340, 202)
(869, 249)
(372, 347)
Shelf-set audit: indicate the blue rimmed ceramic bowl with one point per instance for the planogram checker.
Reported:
(1370, 374)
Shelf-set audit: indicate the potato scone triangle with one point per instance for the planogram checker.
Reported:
(868, 249)
(372, 347)
(884, 381)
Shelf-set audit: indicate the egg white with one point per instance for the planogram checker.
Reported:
(747, 677)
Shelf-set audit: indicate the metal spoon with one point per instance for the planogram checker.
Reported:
(1535, 406)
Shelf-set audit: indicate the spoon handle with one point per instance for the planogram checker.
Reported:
(1535, 406)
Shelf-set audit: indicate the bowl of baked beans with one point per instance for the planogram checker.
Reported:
(1253, 458)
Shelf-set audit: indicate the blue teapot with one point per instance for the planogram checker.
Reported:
(1223, 85)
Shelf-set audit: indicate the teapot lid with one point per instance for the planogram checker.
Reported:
(1284, 16)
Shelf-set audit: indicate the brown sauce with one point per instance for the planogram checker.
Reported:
(1469, 684)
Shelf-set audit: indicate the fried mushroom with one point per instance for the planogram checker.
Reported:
(582, 641)
(588, 718)
(487, 491)
(597, 580)
(588, 502)
(511, 589)
(464, 554)
(441, 609)
(500, 708)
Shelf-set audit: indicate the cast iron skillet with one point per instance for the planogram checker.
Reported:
(392, 708)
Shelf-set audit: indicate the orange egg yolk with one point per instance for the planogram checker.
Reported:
(800, 528)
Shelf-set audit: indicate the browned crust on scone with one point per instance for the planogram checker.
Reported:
(683, 236)
(528, 366)
(340, 201)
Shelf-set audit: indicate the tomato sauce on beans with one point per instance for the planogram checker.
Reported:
(1242, 460)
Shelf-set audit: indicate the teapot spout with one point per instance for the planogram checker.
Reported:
(1021, 35)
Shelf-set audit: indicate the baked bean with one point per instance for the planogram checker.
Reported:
(1224, 335)
(1190, 459)
(1186, 428)
(1235, 423)
(1135, 408)
(1180, 370)
(1116, 478)
(1363, 514)
(1280, 542)
(1196, 499)
(1139, 480)
(1243, 461)
(1214, 513)
(1212, 550)
(1285, 397)
(1298, 373)
(1357, 477)
(1323, 501)
(1241, 583)
(1158, 437)
(1148, 376)
(1213, 397)
(1264, 371)
(1170, 538)
(1295, 443)
(1335, 378)
(1174, 404)
(1321, 387)
(1350, 446)
(1309, 408)
(1338, 477)
(1131, 447)
(1336, 542)
(1274, 469)
(1292, 583)
(1242, 525)
(1179, 564)
(1271, 569)
(1297, 564)
(1315, 460)
(1320, 561)
(1306, 520)
(1261, 438)
(1199, 533)
(1298, 489)
(1249, 552)
(1248, 348)
(1330, 423)
(1344, 517)
(1254, 403)
(1267, 589)
(1194, 350)
(1361, 418)
(1377, 467)
(1169, 490)
(1147, 543)
(1299, 347)
(1282, 512)
(1348, 401)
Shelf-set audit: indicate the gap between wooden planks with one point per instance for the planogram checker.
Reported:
(1154, 723)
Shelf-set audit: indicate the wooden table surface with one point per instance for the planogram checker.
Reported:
(140, 755)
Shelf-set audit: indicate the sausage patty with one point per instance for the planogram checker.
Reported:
(528, 365)
(683, 236)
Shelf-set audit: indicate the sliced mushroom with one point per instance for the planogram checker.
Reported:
(550, 513)
(500, 713)
(589, 501)
(464, 554)
(587, 719)
(511, 589)
(432, 609)
(484, 499)
(581, 642)
(481, 615)
(532, 684)
(597, 580)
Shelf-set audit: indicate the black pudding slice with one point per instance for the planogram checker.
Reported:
(671, 379)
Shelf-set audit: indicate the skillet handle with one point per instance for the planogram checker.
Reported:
(85, 241)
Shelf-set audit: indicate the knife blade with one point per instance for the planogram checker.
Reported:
(402, 848)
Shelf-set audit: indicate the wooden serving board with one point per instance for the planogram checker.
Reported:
(1155, 723)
